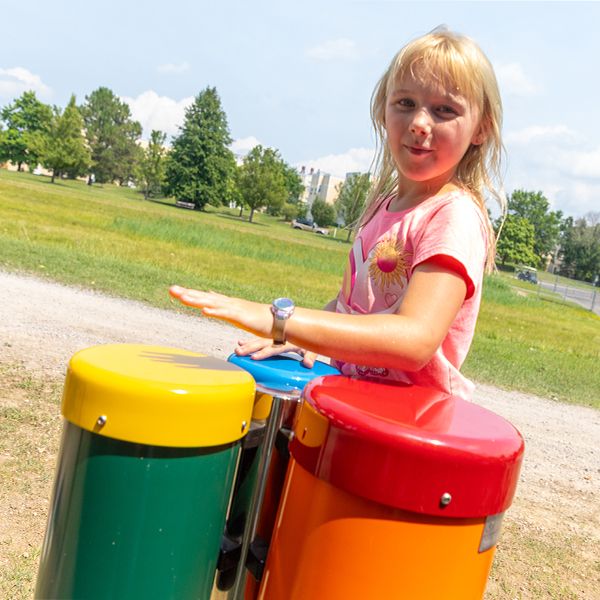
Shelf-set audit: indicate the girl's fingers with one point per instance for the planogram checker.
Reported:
(271, 350)
(213, 305)
(250, 316)
(262, 348)
(309, 359)
(176, 290)
(246, 347)
(186, 296)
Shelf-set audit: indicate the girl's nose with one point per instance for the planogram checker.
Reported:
(421, 124)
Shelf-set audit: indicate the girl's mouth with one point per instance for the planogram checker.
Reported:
(417, 150)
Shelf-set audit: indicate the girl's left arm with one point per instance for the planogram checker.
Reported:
(406, 340)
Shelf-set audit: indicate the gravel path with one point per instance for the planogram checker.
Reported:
(42, 324)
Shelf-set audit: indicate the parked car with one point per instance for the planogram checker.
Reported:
(308, 225)
(527, 274)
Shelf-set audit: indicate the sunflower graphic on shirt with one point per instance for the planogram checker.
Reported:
(389, 263)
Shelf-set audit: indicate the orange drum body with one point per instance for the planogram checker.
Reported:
(392, 492)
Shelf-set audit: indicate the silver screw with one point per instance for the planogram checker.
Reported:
(244, 423)
(101, 421)
(445, 499)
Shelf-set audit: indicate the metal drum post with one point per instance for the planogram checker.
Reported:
(393, 491)
(273, 426)
(147, 461)
(279, 381)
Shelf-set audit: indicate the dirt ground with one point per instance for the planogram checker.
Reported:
(549, 546)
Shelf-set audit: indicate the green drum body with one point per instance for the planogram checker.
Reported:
(147, 460)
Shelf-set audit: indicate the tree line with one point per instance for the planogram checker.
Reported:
(532, 234)
(100, 140)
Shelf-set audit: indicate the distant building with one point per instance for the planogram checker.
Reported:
(39, 170)
(318, 184)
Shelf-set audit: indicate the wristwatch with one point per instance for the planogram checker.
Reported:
(282, 309)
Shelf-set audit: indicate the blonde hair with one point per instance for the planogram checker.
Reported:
(455, 62)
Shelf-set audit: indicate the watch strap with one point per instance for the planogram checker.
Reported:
(278, 331)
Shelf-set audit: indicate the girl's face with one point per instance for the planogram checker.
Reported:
(429, 129)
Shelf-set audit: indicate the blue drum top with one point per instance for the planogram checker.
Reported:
(282, 373)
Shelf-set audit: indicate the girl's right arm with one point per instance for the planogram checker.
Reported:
(405, 341)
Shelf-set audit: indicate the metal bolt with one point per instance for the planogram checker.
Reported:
(244, 423)
(101, 421)
(445, 499)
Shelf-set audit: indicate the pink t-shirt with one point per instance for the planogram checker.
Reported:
(380, 265)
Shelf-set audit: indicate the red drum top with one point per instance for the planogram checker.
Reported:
(408, 447)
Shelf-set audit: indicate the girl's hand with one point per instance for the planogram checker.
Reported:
(251, 316)
(261, 348)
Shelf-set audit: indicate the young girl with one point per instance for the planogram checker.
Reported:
(412, 287)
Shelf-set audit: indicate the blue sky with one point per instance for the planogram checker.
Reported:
(298, 76)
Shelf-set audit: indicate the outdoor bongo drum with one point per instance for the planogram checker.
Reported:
(279, 384)
(148, 455)
(392, 491)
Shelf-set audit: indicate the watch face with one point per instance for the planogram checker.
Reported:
(283, 304)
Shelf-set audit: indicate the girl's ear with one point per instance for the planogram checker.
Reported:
(479, 138)
(480, 135)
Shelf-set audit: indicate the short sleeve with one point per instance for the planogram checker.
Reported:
(455, 229)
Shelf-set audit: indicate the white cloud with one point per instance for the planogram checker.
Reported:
(525, 136)
(574, 198)
(173, 68)
(583, 199)
(355, 159)
(513, 81)
(557, 158)
(580, 163)
(342, 48)
(242, 146)
(558, 162)
(158, 112)
(15, 81)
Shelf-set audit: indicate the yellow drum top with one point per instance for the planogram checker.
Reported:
(158, 396)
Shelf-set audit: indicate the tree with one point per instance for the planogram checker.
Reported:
(289, 211)
(64, 150)
(261, 180)
(580, 248)
(233, 197)
(516, 241)
(27, 121)
(534, 207)
(151, 168)
(112, 136)
(200, 164)
(293, 183)
(351, 200)
(323, 213)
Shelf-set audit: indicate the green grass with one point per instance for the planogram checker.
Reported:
(110, 239)
(536, 345)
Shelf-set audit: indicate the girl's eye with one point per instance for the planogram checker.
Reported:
(405, 103)
(447, 110)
